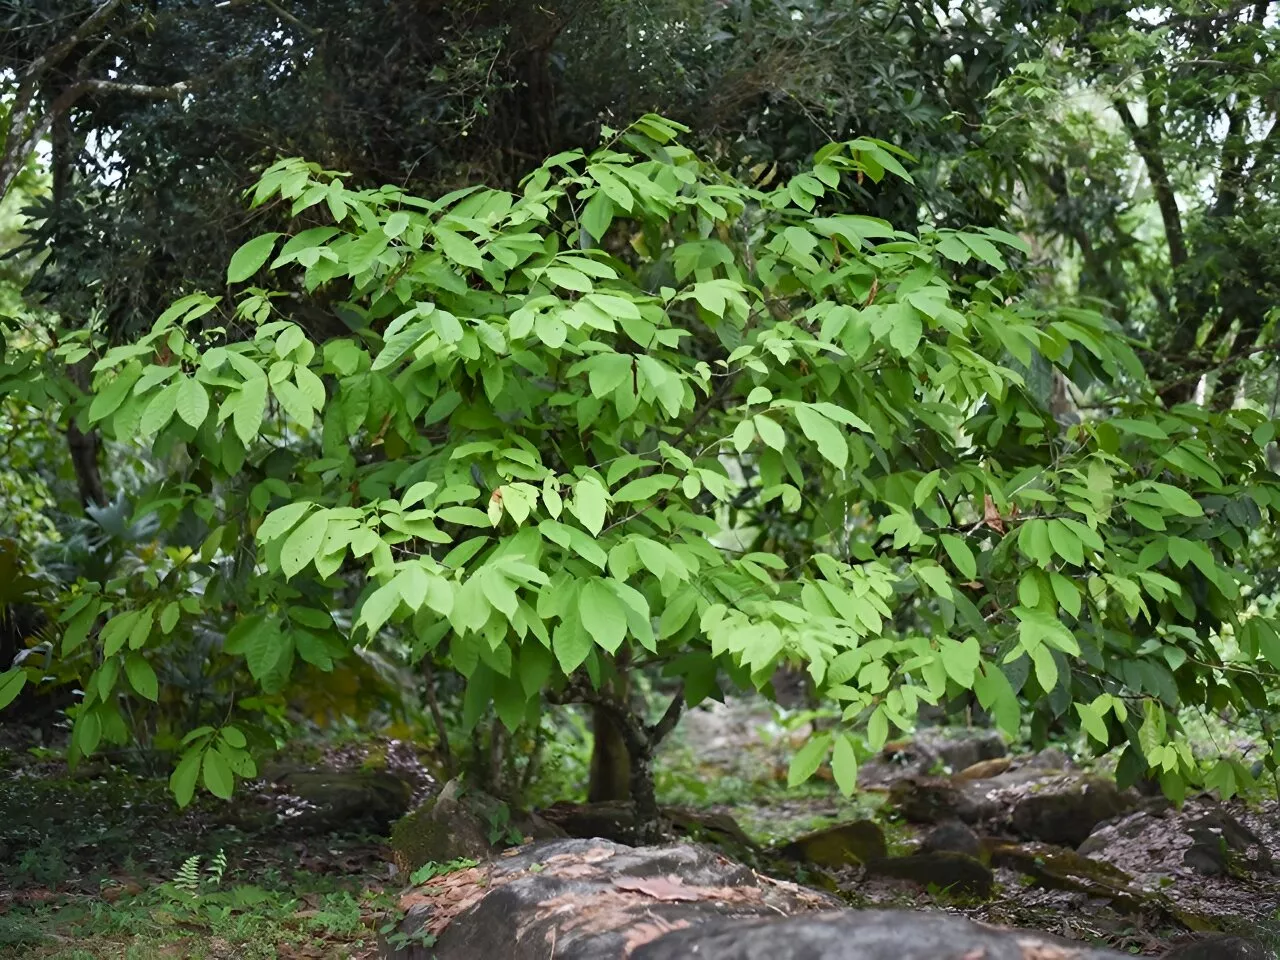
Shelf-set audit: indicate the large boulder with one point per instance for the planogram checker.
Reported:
(863, 935)
(1066, 809)
(598, 900)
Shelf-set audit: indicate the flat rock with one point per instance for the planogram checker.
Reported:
(597, 900)
(592, 899)
(863, 935)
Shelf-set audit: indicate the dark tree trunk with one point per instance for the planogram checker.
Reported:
(85, 449)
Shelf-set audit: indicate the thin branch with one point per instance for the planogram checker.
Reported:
(660, 730)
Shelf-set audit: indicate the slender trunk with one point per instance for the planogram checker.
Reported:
(85, 448)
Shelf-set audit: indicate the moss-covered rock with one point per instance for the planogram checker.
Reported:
(845, 844)
(443, 829)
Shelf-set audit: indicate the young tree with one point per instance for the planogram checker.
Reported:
(556, 442)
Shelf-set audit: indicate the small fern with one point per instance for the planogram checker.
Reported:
(217, 867)
(188, 877)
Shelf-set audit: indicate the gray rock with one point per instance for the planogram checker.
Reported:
(1221, 946)
(952, 837)
(325, 800)
(1066, 810)
(597, 900)
(591, 899)
(862, 935)
(1220, 844)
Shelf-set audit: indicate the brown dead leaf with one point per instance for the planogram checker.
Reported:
(990, 515)
(660, 888)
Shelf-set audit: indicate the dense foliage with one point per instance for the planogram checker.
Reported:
(684, 406)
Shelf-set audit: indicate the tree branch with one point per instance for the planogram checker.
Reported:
(1147, 143)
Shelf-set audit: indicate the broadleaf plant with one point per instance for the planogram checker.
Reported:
(641, 414)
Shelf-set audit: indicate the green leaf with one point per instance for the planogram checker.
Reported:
(826, 436)
(960, 555)
(1141, 428)
(182, 782)
(1046, 668)
(1065, 543)
(844, 765)
(11, 684)
(461, 250)
(249, 259)
(808, 759)
(281, 521)
(1093, 724)
(907, 329)
(571, 644)
(218, 778)
(379, 606)
(250, 408)
(193, 401)
(602, 615)
(142, 677)
(589, 505)
(770, 431)
(159, 411)
(877, 729)
(960, 659)
(304, 543)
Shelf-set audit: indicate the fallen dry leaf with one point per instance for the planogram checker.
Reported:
(660, 888)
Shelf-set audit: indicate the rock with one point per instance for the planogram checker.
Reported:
(1065, 810)
(1133, 826)
(844, 845)
(1050, 758)
(1220, 947)
(860, 935)
(933, 800)
(325, 800)
(953, 837)
(703, 826)
(1221, 844)
(585, 900)
(943, 870)
(958, 750)
(1056, 869)
(460, 824)
(596, 900)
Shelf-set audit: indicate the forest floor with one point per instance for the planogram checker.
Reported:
(94, 862)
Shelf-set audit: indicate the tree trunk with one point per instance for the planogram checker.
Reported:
(85, 448)
(610, 760)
